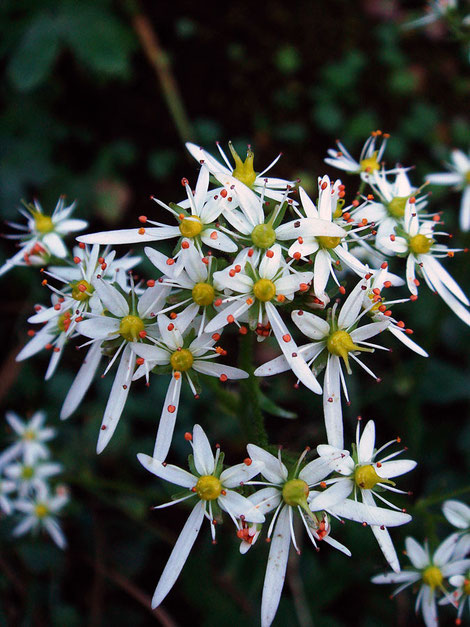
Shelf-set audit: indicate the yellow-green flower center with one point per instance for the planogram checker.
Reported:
(29, 435)
(182, 360)
(27, 472)
(467, 177)
(243, 171)
(264, 290)
(190, 227)
(130, 328)
(396, 207)
(341, 344)
(370, 164)
(433, 577)
(338, 212)
(420, 244)
(366, 477)
(263, 236)
(203, 294)
(81, 290)
(43, 223)
(466, 587)
(328, 242)
(41, 510)
(295, 492)
(208, 487)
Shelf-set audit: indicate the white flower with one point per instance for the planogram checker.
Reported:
(198, 224)
(369, 160)
(458, 514)
(314, 238)
(340, 338)
(126, 321)
(31, 477)
(389, 209)
(253, 293)
(459, 176)
(435, 11)
(416, 242)
(41, 512)
(42, 235)
(213, 488)
(174, 351)
(285, 494)
(243, 171)
(191, 280)
(362, 472)
(30, 437)
(430, 570)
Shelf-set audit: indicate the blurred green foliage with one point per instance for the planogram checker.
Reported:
(83, 114)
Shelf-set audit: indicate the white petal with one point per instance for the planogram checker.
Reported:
(457, 513)
(429, 607)
(99, 328)
(55, 532)
(311, 325)
(55, 244)
(395, 468)
(117, 398)
(291, 351)
(416, 554)
(352, 306)
(385, 543)
(218, 240)
(369, 330)
(270, 265)
(444, 178)
(168, 472)
(112, 300)
(333, 495)
(444, 551)
(465, 210)
(203, 455)
(400, 577)
(276, 568)
(216, 370)
(179, 555)
(332, 402)
(70, 226)
(166, 426)
(152, 300)
(37, 343)
(131, 236)
(239, 505)
(236, 475)
(372, 515)
(367, 443)
(273, 470)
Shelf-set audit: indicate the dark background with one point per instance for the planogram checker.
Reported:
(83, 113)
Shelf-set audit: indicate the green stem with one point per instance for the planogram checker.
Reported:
(250, 414)
(434, 500)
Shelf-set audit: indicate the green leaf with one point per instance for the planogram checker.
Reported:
(32, 61)
(270, 407)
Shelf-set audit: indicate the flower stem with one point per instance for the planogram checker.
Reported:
(250, 414)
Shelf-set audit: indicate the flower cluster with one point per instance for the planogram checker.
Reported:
(256, 254)
(443, 575)
(25, 472)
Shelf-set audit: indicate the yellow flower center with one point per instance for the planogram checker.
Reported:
(328, 242)
(208, 488)
(41, 510)
(182, 360)
(378, 301)
(130, 328)
(190, 227)
(433, 577)
(420, 244)
(370, 164)
(243, 171)
(27, 472)
(81, 290)
(29, 435)
(263, 236)
(467, 177)
(42, 223)
(295, 492)
(396, 207)
(264, 290)
(366, 477)
(340, 343)
(203, 294)
(338, 212)
(63, 322)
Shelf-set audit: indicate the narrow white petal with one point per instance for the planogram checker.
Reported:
(276, 568)
(273, 470)
(395, 468)
(166, 426)
(112, 300)
(168, 472)
(352, 306)
(99, 328)
(203, 455)
(332, 403)
(445, 549)
(416, 554)
(239, 505)
(179, 555)
(131, 236)
(457, 513)
(217, 370)
(333, 495)
(236, 475)
(367, 443)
